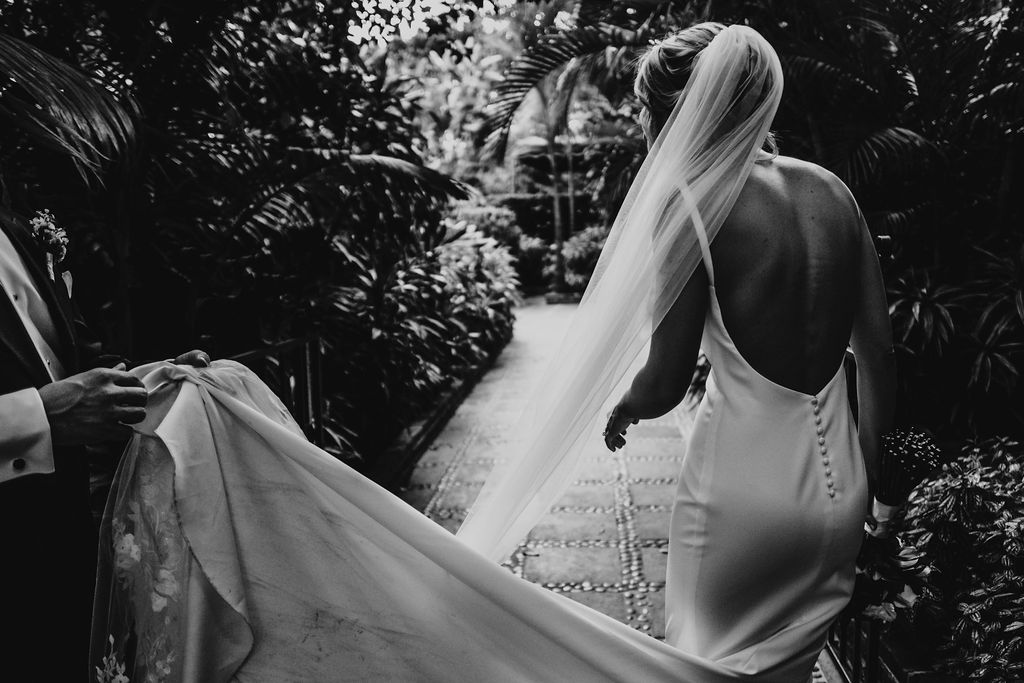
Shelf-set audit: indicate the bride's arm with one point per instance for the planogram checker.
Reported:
(871, 339)
(663, 381)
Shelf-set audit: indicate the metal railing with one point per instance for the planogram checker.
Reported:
(293, 370)
(854, 645)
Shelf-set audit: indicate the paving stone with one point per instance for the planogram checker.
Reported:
(638, 446)
(588, 496)
(652, 494)
(656, 601)
(459, 426)
(654, 469)
(654, 429)
(604, 469)
(654, 563)
(573, 565)
(452, 524)
(417, 497)
(474, 471)
(492, 447)
(426, 476)
(575, 525)
(651, 524)
(609, 602)
(461, 496)
(441, 452)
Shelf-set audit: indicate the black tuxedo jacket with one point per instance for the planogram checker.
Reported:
(20, 364)
(47, 538)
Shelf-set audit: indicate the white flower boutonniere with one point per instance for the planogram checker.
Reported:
(52, 238)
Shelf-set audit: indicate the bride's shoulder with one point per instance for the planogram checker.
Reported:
(806, 171)
(811, 182)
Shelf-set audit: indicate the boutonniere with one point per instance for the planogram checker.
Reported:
(52, 238)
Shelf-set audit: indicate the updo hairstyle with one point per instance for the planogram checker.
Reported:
(663, 71)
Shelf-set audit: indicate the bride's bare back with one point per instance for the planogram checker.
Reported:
(797, 280)
(787, 272)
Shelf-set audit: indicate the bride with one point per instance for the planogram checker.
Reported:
(233, 549)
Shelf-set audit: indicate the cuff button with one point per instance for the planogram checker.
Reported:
(18, 464)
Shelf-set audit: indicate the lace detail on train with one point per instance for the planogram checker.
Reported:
(146, 553)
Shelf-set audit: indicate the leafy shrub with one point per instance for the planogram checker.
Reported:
(493, 221)
(402, 337)
(535, 214)
(960, 338)
(969, 523)
(580, 252)
(500, 223)
(481, 292)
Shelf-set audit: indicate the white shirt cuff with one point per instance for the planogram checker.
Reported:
(25, 444)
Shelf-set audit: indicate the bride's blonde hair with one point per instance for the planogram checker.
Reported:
(663, 71)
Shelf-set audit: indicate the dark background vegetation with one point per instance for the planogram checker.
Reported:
(244, 173)
(270, 186)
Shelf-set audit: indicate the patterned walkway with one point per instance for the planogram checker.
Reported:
(605, 542)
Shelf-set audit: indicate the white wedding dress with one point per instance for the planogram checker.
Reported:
(232, 549)
(235, 550)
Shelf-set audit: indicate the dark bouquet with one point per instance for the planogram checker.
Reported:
(890, 574)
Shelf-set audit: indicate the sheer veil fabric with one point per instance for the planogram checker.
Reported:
(690, 179)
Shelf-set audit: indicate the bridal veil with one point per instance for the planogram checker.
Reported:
(691, 178)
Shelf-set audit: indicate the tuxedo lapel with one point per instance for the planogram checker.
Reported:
(34, 261)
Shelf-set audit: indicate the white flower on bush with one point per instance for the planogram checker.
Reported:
(126, 552)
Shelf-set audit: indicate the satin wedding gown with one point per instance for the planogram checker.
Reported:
(768, 517)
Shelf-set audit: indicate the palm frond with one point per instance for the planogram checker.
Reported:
(823, 77)
(550, 55)
(896, 221)
(61, 108)
(326, 181)
(890, 150)
(400, 170)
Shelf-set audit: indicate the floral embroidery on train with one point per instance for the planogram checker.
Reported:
(149, 560)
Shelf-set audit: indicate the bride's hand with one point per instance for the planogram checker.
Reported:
(615, 430)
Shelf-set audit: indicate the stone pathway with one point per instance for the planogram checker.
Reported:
(605, 542)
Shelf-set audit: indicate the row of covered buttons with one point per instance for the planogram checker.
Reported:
(816, 409)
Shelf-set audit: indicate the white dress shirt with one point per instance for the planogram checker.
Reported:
(25, 444)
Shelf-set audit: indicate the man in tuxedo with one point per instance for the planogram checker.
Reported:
(55, 399)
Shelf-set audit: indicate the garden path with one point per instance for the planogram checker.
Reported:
(605, 542)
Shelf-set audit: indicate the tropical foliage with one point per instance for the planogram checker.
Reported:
(580, 253)
(916, 106)
(252, 178)
(968, 522)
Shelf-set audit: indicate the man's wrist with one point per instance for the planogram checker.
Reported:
(26, 445)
